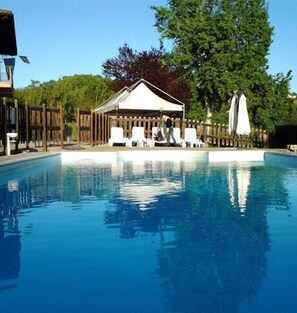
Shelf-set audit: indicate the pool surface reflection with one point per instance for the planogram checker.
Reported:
(148, 236)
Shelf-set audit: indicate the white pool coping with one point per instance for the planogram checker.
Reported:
(210, 156)
(165, 155)
(238, 156)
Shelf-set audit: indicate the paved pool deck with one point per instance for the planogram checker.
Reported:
(216, 154)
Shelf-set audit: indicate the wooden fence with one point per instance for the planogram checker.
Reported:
(215, 135)
(44, 126)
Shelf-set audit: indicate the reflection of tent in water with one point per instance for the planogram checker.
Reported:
(239, 180)
(145, 194)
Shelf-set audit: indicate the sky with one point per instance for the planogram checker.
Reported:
(68, 37)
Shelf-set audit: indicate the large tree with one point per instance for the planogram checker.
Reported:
(71, 92)
(223, 45)
(130, 66)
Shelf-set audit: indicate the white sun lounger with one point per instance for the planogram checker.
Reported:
(191, 139)
(138, 137)
(117, 137)
(177, 136)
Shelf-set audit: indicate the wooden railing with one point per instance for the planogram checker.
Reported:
(44, 126)
(215, 135)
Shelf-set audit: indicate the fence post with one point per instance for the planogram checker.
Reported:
(78, 126)
(219, 135)
(27, 125)
(91, 129)
(44, 128)
(62, 127)
(17, 124)
(94, 128)
(104, 128)
(4, 119)
(252, 138)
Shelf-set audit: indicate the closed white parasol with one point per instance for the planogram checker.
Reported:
(243, 123)
(232, 115)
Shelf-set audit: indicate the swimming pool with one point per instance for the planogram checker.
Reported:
(139, 232)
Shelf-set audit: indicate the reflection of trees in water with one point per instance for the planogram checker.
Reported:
(131, 222)
(214, 264)
(10, 247)
(55, 184)
(218, 257)
(20, 191)
(268, 186)
(14, 196)
(85, 180)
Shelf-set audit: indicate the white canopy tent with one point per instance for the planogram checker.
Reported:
(142, 100)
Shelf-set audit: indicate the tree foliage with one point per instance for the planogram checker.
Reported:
(130, 66)
(223, 46)
(71, 92)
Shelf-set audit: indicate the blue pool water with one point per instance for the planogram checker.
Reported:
(148, 236)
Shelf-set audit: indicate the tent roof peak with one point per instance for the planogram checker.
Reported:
(139, 97)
